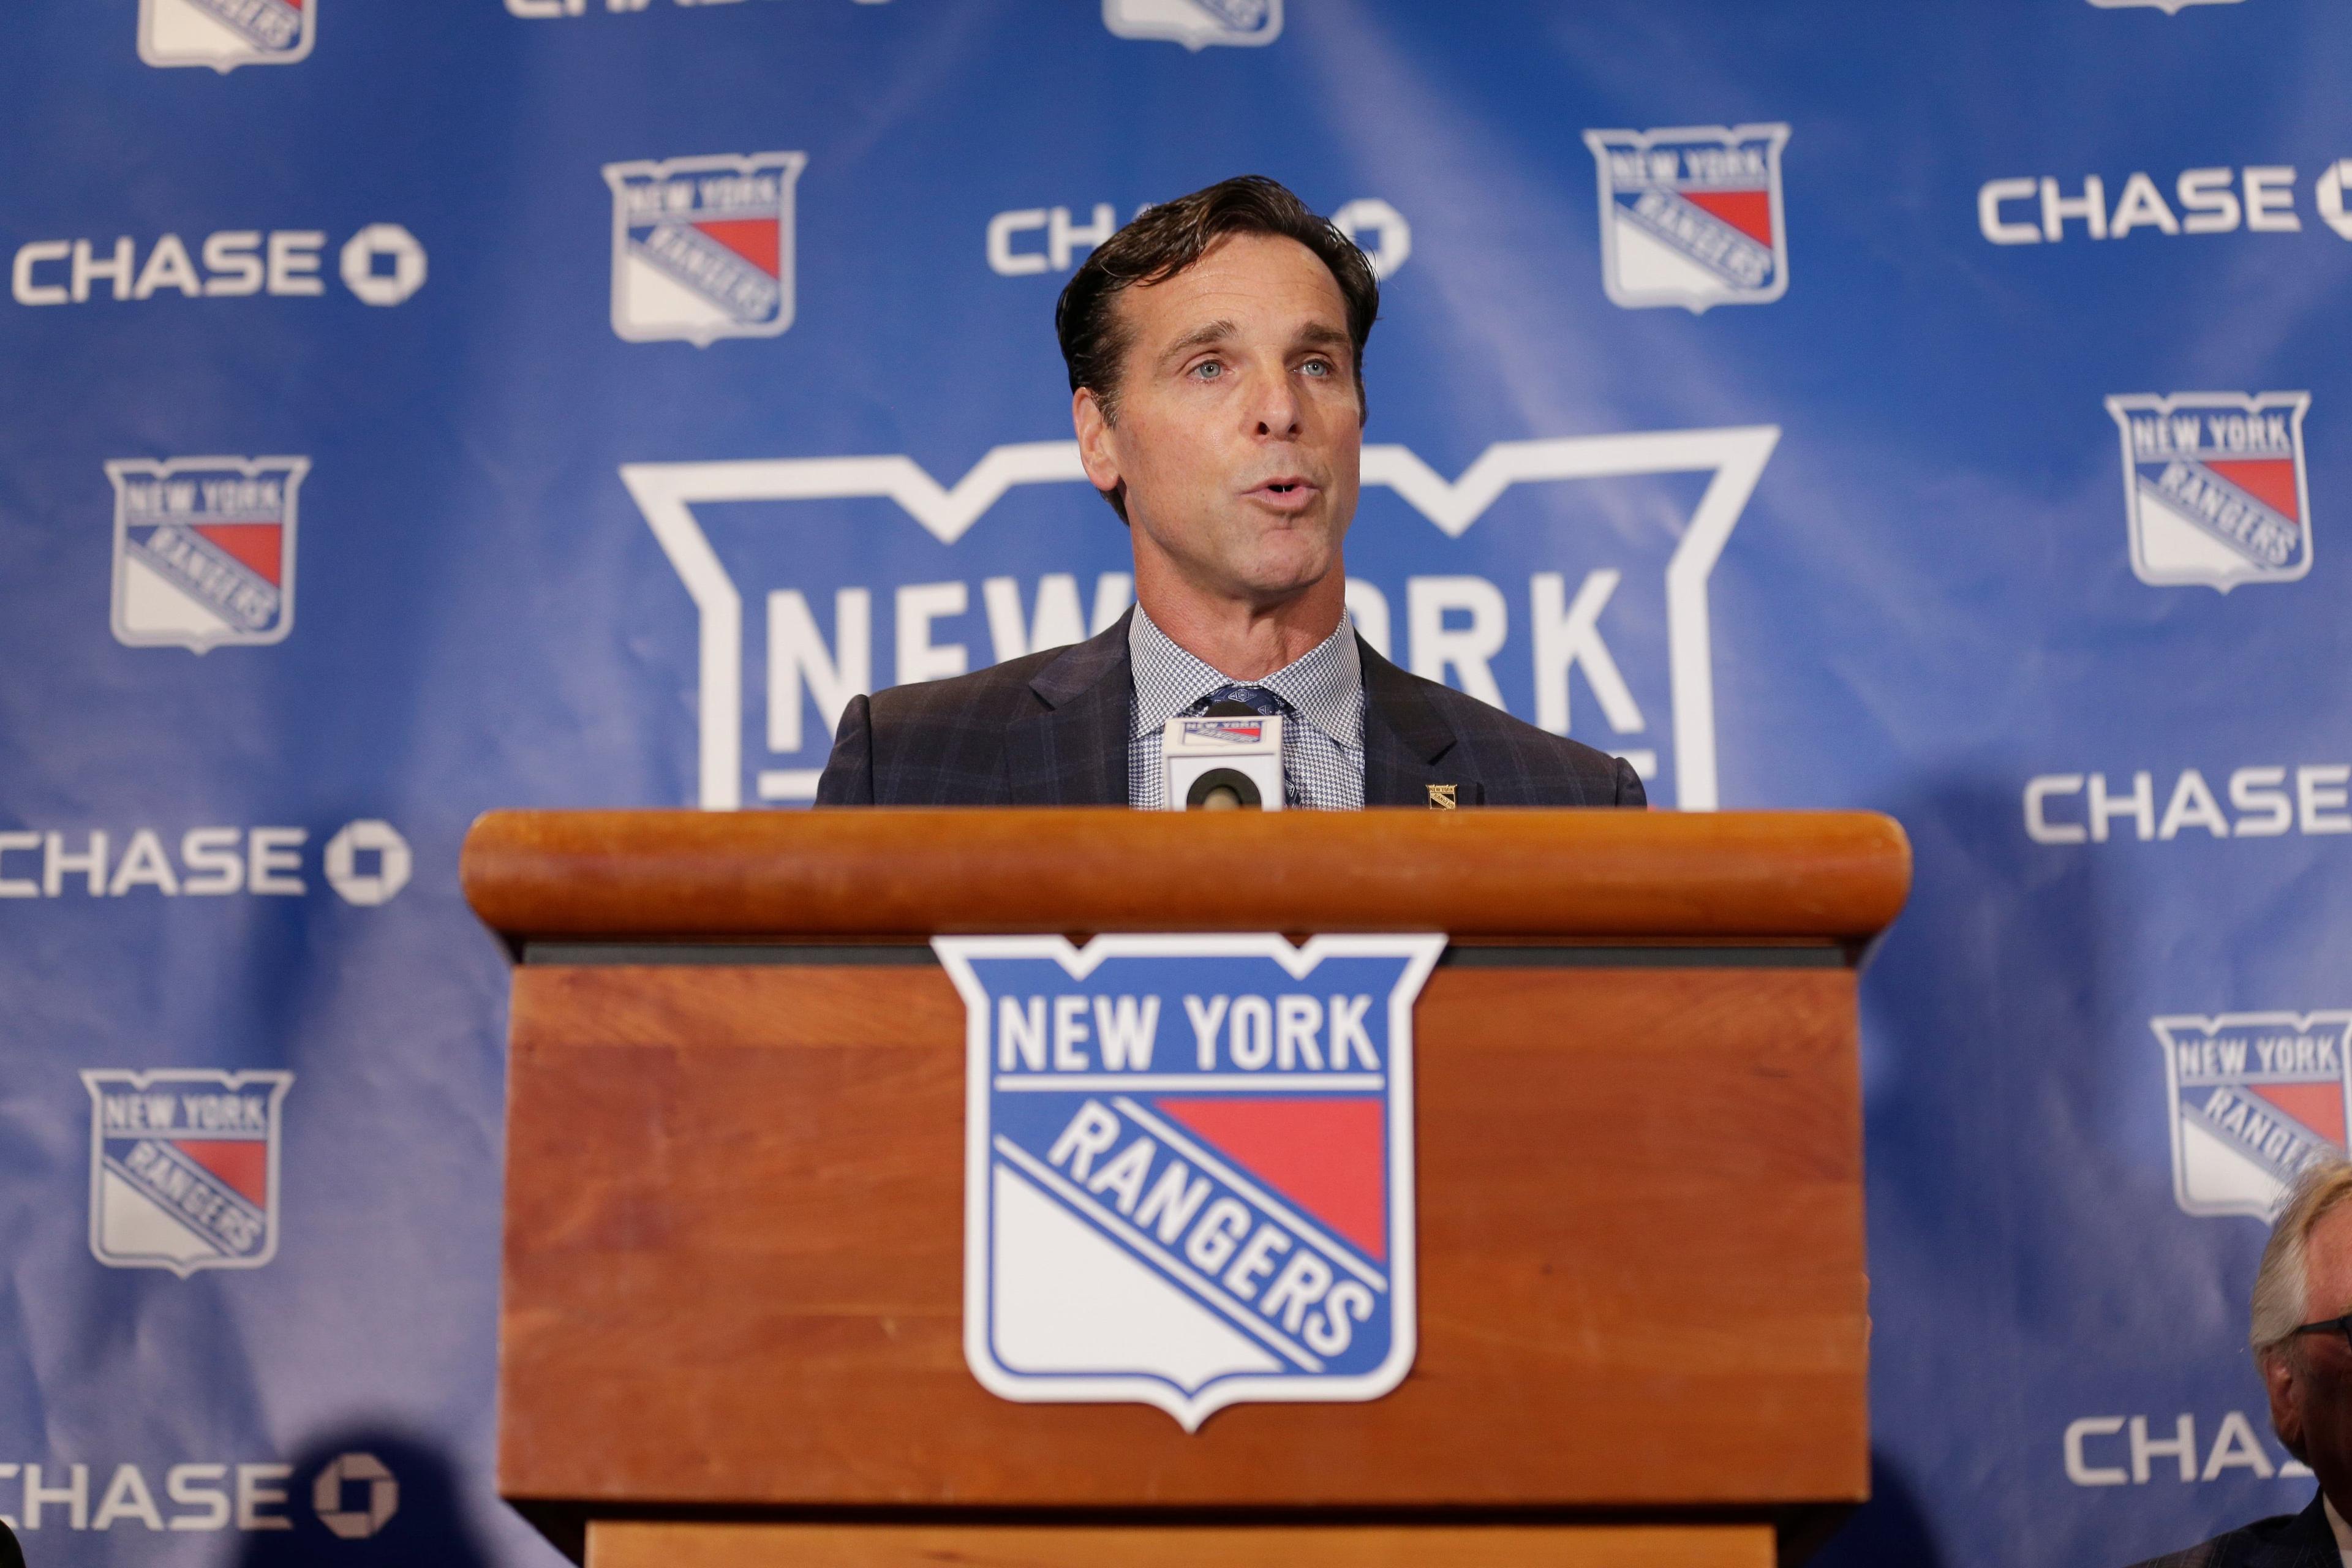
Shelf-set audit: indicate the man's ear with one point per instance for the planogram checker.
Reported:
(1097, 442)
(2284, 1382)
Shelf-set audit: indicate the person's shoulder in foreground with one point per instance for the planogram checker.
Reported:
(2300, 1332)
(1051, 728)
(2286, 1541)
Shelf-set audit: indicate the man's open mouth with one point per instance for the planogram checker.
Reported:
(1290, 488)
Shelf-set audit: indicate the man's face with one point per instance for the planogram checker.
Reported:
(1239, 434)
(2311, 1384)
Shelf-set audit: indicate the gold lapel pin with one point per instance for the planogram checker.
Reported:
(1441, 798)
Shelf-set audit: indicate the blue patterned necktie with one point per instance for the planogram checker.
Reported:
(1258, 700)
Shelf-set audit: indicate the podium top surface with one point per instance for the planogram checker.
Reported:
(908, 875)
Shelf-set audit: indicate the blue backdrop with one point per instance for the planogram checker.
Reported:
(572, 402)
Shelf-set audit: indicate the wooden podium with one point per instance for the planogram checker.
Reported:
(731, 1330)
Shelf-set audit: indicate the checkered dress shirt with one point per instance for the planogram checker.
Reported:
(1321, 695)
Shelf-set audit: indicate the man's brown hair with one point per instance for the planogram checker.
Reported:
(1164, 240)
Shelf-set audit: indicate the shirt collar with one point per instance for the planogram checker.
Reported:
(2343, 1532)
(1325, 686)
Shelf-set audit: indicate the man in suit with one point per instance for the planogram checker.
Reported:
(2302, 1339)
(1215, 348)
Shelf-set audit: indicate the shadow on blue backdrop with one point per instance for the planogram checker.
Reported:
(1887, 1532)
(368, 1498)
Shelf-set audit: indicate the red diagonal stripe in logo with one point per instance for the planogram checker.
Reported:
(259, 545)
(1328, 1156)
(2318, 1106)
(1750, 212)
(2269, 480)
(241, 1162)
(758, 240)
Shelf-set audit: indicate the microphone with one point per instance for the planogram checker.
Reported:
(1228, 759)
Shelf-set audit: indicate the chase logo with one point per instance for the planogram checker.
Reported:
(2214, 486)
(702, 247)
(226, 33)
(2256, 1098)
(1692, 217)
(1196, 24)
(184, 1168)
(1189, 1167)
(204, 550)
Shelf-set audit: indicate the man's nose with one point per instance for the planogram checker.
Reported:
(1275, 404)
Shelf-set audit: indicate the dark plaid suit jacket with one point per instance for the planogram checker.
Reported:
(1052, 729)
(2289, 1541)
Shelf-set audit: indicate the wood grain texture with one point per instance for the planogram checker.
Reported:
(1823, 875)
(735, 1253)
(622, 1545)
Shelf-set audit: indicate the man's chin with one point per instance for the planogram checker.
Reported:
(1270, 586)
(1296, 556)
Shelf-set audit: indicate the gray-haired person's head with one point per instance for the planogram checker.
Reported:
(2281, 1285)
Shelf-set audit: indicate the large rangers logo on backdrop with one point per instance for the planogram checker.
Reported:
(2214, 486)
(1189, 1167)
(1563, 615)
(1692, 217)
(204, 550)
(1196, 24)
(2256, 1098)
(183, 1167)
(226, 33)
(702, 247)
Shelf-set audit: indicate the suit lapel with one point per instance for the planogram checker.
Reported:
(1074, 752)
(1405, 739)
(2307, 1543)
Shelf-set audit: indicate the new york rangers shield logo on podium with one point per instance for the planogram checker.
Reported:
(702, 247)
(1692, 216)
(183, 1167)
(2214, 486)
(1189, 1167)
(204, 550)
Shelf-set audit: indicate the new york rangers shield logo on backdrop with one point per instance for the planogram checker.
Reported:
(2214, 486)
(204, 550)
(226, 33)
(702, 247)
(184, 1168)
(1189, 1167)
(1692, 217)
(1196, 24)
(2256, 1098)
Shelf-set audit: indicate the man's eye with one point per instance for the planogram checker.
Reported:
(1317, 367)
(1208, 370)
